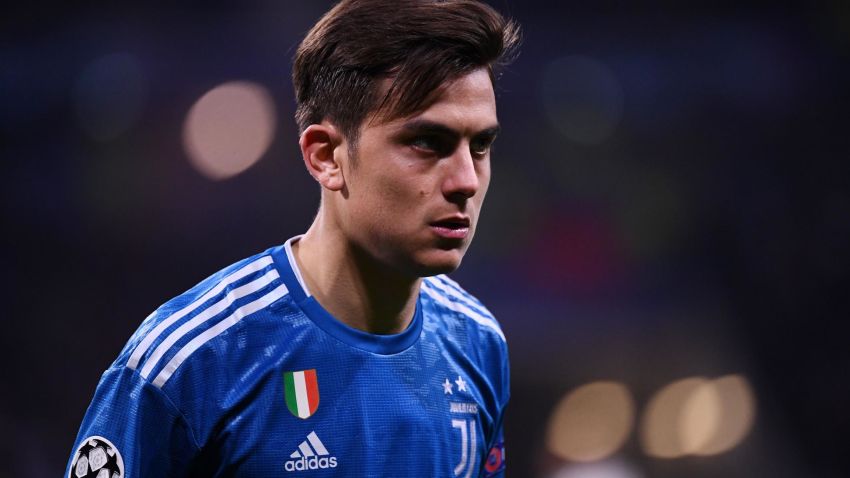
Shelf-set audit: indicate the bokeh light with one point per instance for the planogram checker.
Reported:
(603, 469)
(582, 98)
(700, 417)
(591, 422)
(229, 129)
(736, 400)
(109, 95)
(697, 416)
(660, 431)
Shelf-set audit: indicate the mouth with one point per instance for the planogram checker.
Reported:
(454, 227)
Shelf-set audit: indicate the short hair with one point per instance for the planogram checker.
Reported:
(421, 45)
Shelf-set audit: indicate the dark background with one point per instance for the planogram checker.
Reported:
(669, 200)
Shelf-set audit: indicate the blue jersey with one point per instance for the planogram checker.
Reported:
(247, 375)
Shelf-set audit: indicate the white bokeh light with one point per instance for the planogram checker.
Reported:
(698, 416)
(736, 401)
(591, 422)
(661, 426)
(604, 469)
(229, 129)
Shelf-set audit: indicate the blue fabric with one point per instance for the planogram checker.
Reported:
(426, 402)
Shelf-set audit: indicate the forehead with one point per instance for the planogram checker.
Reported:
(466, 104)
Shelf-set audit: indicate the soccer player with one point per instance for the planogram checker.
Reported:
(344, 351)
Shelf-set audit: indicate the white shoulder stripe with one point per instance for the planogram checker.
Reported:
(457, 294)
(217, 329)
(463, 309)
(151, 337)
(213, 310)
(447, 281)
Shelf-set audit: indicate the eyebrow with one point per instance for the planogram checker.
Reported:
(425, 126)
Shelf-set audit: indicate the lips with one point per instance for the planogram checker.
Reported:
(453, 222)
(452, 227)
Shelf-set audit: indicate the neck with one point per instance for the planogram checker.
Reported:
(353, 287)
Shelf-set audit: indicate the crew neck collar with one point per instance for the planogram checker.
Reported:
(287, 266)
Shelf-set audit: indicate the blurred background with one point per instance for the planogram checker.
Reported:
(665, 240)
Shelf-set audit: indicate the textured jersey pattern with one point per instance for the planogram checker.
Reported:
(246, 375)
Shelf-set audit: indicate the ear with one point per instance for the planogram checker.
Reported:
(319, 143)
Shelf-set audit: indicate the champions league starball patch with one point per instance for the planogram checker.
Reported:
(97, 457)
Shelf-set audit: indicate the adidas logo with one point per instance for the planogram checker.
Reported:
(310, 455)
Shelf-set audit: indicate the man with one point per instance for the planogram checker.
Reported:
(331, 355)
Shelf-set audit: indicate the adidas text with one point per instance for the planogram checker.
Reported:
(310, 455)
(312, 463)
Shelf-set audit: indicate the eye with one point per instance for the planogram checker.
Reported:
(431, 145)
(480, 146)
(423, 142)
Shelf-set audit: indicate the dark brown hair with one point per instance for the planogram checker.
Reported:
(419, 44)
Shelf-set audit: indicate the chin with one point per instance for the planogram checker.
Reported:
(438, 262)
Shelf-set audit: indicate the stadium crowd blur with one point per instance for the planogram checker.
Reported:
(665, 242)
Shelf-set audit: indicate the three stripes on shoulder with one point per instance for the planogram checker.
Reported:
(222, 303)
(449, 294)
(442, 290)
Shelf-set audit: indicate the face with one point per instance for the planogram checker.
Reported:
(414, 192)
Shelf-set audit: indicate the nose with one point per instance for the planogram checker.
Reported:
(462, 178)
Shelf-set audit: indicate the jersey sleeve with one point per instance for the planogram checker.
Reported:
(131, 429)
(494, 462)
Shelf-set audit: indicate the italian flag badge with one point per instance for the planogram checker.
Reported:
(302, 392)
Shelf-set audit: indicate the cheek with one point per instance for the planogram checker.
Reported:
(484, 188)
(484, 183)
(392, 200)
(403, 187)
(392, 193)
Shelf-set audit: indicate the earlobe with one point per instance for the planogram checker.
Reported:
(318, 149)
